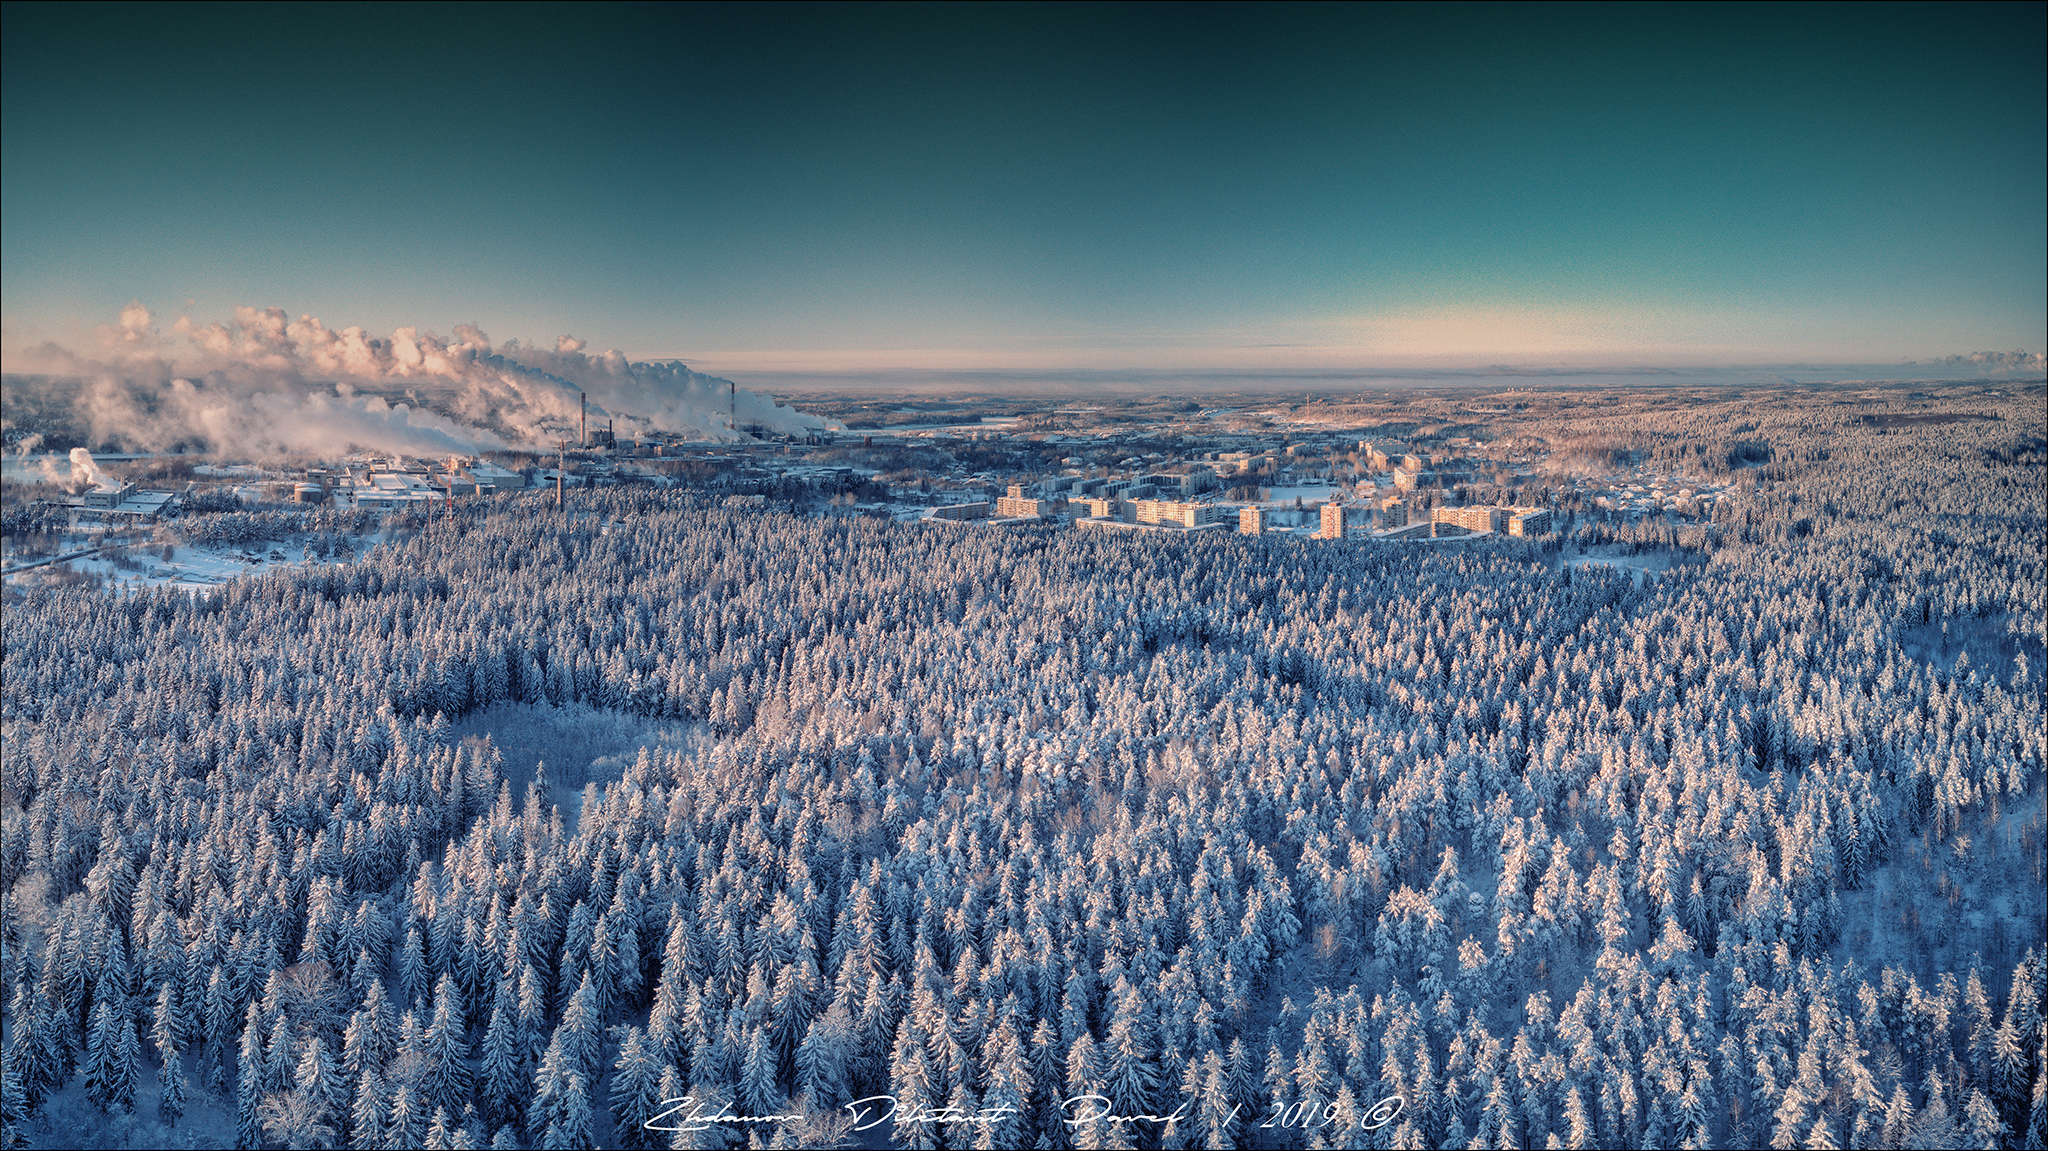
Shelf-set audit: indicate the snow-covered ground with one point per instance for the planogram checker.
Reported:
(578, 744)
(188, 567)
(1927, 909)
(191, 568)
(1619, 557)
(68, 1120)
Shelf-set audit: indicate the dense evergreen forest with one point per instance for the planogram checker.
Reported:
(1297, 844)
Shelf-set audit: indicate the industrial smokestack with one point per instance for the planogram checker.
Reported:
(732, 405)
(582, 421)
(561, 470)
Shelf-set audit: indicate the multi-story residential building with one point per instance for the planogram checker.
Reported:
(1479, 518)
(1184, 514)
(1332, 524)
(1017, 505)
(974, 510)
(1528, 521)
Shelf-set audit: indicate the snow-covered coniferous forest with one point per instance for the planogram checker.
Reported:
(951, 837)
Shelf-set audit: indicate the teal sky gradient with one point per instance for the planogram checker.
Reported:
(969, 186)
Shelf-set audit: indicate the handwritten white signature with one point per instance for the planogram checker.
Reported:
(699, 1119)
(688, 1113)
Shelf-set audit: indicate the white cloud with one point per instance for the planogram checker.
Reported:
(265, 382)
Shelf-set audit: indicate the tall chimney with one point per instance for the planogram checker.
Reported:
(561, 468)
(582, 421)
(732, 405)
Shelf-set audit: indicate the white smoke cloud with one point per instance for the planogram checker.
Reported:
(135, 327)
(264, 383)
(1997, 362)
(83, 470)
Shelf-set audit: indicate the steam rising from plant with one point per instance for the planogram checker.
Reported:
(266, 384)
(84, 470)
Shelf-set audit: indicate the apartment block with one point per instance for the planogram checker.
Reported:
(1473, 519)
(1529, 521)
(975, 510)
(1178, 512)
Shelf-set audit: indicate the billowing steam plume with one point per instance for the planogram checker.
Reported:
(83, 470)
(265, 384)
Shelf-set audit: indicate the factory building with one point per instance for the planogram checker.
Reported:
(392, 489)
(111, 501)
(106, 494)
(492, 478)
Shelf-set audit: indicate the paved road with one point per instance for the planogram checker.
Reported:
(80, 554)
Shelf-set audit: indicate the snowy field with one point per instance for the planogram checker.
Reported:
(133, 566)
(1620, 558)
(190, 568)
(185, 567)
(578, 744)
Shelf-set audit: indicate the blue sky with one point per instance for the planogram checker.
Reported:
(820, 189)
